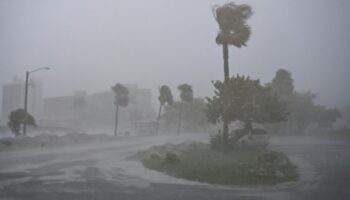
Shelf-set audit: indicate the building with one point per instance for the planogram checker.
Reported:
(13, 98)
(97, 110)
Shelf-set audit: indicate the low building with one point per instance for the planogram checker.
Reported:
(97, 110)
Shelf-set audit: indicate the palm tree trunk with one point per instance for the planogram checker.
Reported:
(116, 120)
(227, 77)
(158, 118)
(179, 122)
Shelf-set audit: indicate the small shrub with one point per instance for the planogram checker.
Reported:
(171, 158)
(6, 142)
(155, 156)
(217, 143)
(272, 157)
(274, 166)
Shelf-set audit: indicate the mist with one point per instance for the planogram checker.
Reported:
(91, 45)
(160, 99)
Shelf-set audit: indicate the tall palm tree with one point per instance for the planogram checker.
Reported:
(186, 95)
(121, 99)
(233, 31)
(165, 96)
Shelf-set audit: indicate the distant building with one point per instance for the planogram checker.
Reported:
(97, 110)
(13, 98)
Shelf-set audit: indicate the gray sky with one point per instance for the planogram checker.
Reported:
(91, 45)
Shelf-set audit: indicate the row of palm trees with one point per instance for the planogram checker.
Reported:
(233, 30)
(121, 98)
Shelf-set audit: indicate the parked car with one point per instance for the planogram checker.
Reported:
(258, 138)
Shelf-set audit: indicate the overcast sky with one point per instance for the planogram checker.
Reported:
(91, 45)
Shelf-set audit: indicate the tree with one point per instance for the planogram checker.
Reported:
(301, 106)
(303, 109)
(186, 96)
(165, 96)
(193, 117)
(121, 99)
(233, 31)
(18, 117)
(282, 85)
(325, 117)
(248, 101)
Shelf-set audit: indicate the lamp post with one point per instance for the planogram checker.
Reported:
(26, 94)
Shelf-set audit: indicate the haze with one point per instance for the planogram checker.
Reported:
(91, 45)
(116, 108)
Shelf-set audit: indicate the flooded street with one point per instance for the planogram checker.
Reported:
(100, 171)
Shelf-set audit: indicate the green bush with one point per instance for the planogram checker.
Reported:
(272, 157)
(217, 143)
(6, 142)
(155, 156)
(244, 167)
(171, 158)
(274, 166)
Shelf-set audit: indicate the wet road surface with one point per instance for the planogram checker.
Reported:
(99, 171)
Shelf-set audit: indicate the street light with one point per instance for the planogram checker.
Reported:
(26, 94)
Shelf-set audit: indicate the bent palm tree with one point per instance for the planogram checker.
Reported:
(18, 117)
(233, 31)
(121, 99)
(186, 95)
(165, 96)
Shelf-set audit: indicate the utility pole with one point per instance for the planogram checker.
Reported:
(26, 96)
(25, 103)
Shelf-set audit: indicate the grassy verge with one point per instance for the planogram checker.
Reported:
(235, 168)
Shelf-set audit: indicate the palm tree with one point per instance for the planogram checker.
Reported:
(165, 96)
(121, 99)
(233, 31)
(186, 95)
(18, 117)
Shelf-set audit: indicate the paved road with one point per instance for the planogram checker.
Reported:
(99, 171)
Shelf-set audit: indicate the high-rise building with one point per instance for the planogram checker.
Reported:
(13, 98)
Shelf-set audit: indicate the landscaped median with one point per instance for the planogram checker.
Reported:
(197, 162)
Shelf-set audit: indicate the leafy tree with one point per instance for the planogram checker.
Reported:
(193, 115)
(283, 85)
(305, 112)
(18, 117)
(121, 99)
(233, 31)
(303, 109)
(248, 101)
(325, 117)
(186, 96)
(300, 105)
(165, 96)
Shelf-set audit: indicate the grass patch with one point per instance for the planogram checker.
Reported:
(246, 167)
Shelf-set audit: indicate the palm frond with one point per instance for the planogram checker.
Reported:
(232, 23)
